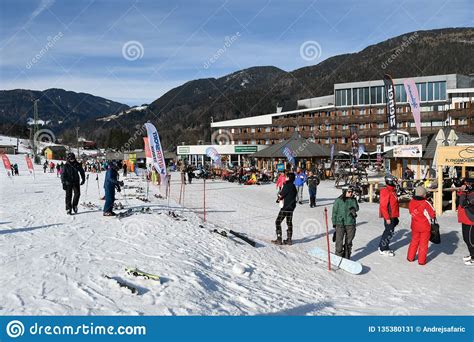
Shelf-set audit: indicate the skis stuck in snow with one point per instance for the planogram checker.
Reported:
(137, 273)
(122, 283)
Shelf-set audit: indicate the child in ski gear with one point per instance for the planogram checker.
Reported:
(420, 210)
(466, 217)
(344, 214)
(71, 174)
(300, 179)
(111, 183)
(280, 181)
(312, 182)
(288, 196)
(389, 211)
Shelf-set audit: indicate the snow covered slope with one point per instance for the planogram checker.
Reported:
(54, 264)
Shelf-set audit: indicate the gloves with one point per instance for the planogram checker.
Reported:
(334, 237)
(118, 189)
(64, 186)
(83, 181)
(120, 183)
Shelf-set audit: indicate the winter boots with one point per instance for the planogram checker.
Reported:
(278, 241)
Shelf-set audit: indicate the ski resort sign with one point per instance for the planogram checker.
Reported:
(455, 156)
(408, 151)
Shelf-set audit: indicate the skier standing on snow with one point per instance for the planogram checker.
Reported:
(111, 183)
(466, 217)
(71, 174)
(344, 214)
(420, 209)
(312, 182)
(390, 211)
(45, 166)
(288, 196)
(300, 179)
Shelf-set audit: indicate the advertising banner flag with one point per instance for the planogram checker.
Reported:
(6, 163)
(332, 152)
(355, 143)
(390, 101)
(289, 155)
(29, 163)
(147, 148)
(214, 155)
(157, 154)
(414, 101)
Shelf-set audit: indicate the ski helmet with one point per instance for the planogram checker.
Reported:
(71, 156)
(390, 180)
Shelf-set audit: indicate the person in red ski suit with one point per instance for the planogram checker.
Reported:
(466, 217)
(389, 211)
(421, 212)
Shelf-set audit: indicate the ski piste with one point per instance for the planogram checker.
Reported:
(138, 273)
(347, 265)
(122, 283)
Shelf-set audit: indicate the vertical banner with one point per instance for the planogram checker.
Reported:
(390, 101)
(332, 152)
(289, 155)
(355, 143)
(212, 153)
(6, 163)
(414, 101)
(157, 154)
(379, 155)
(147, 148)
(29, 164)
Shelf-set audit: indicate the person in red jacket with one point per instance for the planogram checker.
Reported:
(390, 211)
(466, 217)
(421, 212)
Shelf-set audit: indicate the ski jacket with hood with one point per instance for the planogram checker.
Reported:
(421, 212)
(389, 207)
(71, 172)
(466, 208)
(288, 195)
(300, 178)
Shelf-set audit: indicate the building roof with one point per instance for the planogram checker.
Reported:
(302, 148)
(56, 148)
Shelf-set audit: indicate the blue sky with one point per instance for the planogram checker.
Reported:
(89, 45)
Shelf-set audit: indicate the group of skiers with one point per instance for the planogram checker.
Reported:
(73, 176)
(14, 170)
(345, 208)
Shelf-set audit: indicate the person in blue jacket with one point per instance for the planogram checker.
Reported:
(110, 184)
(300, 179)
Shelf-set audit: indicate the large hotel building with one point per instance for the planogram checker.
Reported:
(446, 100)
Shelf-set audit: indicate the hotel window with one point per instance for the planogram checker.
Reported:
(232, 130)
(240, 142)
(400, 94)
(437, 123)
(344, 113)
(380, 125)
(343, 97)
(373, 96)
(253, 142)
(328, 127)
(328, 114)
(430, 91)
(363, 111)
(328, 140)
(362, 140)
(253, 130)
(462, 121)
(355, 96)
(380, 111)
(311, 128)
(362, 126)
(426, 124)
(379, 140)
(345, 126)
(267, 129)
(267, 142)
(421, 91)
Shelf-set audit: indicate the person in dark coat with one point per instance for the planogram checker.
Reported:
(110, 184)
(312, 182)
(344, 213)
(125, 169)
(390, 212)
(288, 196)
(72, 177)
(466, 217)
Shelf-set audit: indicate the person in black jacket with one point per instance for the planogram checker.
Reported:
(288, 195)
(71, 175)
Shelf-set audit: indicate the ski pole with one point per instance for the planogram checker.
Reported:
(327, 238)
(87, 184)
(98, 186)
(204, 201)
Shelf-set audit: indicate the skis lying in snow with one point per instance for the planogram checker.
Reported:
(143, 199)
(347, 265)
(123, 284)
(137, 273)
(90, 205)
(159, 196)
(176, 217)
(222, 232)
(130, 212)
(244, 238)
(118, 206)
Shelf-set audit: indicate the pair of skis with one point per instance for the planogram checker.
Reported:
(133, 271)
